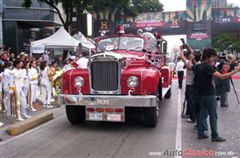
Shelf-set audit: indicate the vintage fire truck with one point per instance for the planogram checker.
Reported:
(127, 72)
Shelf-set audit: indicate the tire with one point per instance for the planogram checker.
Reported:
(151, 117)
(75, 114)
(169, 93)
(152, 113)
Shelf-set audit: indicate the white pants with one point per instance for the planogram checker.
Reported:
(7, 102)
(26, 93)
(22, 102)
(46, 93)
(34, 93)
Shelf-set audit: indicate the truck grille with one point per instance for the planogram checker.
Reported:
(104, 76)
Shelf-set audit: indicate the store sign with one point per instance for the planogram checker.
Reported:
(38, 49)
(148, 24)
(174, 24)
(199, 36)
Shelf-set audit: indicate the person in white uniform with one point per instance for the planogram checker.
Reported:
(45, 84)
(8, 86)
(26, 83)
(33, 78)
(21, 99)
(1, 86)
(83, 61)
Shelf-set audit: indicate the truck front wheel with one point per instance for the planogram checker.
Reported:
(151, 116)
(169, 93)
(75, 114)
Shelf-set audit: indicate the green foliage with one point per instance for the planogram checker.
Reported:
(147, 5)
(227, 41)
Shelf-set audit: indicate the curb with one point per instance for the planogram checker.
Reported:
(21, 127)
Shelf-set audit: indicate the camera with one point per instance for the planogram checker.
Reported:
(186, 51)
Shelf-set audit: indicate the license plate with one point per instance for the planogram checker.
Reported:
(114, 117)
(96, 116)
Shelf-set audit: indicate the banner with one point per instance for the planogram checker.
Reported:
(38, 48)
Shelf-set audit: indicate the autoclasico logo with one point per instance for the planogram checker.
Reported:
(193, 152)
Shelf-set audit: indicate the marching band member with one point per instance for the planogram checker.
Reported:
(8, 88)
(45, 84)
(1, 86)
(33, 75)
(26, 80)
(21, 98)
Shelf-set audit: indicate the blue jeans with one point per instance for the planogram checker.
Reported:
(208, 105)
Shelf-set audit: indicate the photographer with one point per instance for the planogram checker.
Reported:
(189, 92)
(223, 86)
(206, 92)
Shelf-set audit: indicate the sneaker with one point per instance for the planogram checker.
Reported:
(20, 119)
(218, 139)
(190, 121)
(49, 106)
(203, 136)
(44, 105)
(27, 116)
(1, 124)
(33, 109)
(185, 116)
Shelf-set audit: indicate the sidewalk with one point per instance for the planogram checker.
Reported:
(7, 121)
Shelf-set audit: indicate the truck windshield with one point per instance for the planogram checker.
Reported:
(115, 43)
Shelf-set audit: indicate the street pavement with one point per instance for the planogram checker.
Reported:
(59, 139)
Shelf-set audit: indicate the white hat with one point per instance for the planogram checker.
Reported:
(22, 53)
(229, 57)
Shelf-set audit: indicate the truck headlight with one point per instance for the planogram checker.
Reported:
(79, 81)
(132, 81)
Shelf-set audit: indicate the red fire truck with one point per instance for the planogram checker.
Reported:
(127, 72)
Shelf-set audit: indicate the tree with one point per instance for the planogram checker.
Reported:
(67, 5)
(227, 41)
(147, 5)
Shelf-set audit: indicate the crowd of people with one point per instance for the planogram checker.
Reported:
(207, 76)
(25, 80)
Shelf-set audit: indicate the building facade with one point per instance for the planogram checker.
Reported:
(21, 26)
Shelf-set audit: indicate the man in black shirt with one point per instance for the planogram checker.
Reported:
(206, 91)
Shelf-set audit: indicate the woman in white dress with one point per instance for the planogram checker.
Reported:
(33, 87)
(45, 84)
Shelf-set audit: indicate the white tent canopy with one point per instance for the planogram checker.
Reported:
(59, 40)
(84, 41)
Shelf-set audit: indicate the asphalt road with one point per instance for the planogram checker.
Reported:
(59, 139)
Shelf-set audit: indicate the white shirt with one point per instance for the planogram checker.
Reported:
(180, 66)
(1, 81)
(33, 75)
(18, 78)
(45, 78)
(26, 77)
(8, 79)
(82, 63)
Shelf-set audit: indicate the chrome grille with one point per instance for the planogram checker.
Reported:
(104, 75)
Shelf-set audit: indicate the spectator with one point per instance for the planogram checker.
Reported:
(206, 91)
(83, 61)
(180, 71)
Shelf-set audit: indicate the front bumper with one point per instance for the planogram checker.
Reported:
(108, 100)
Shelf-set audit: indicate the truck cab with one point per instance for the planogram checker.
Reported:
(127, 71)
